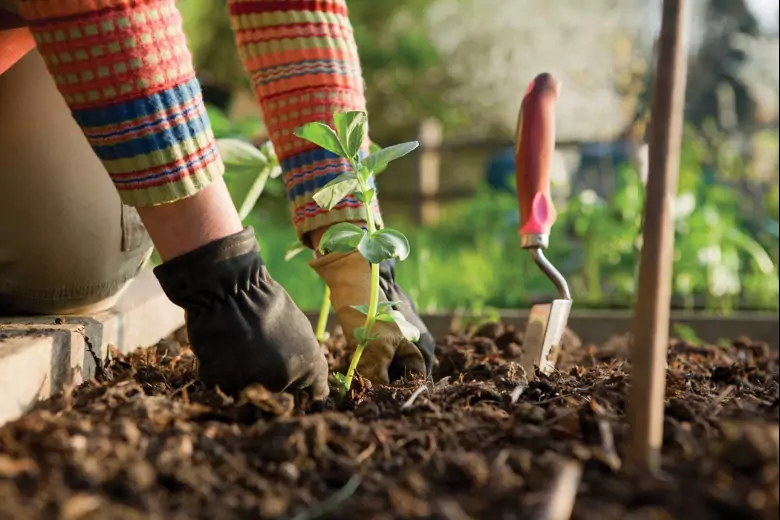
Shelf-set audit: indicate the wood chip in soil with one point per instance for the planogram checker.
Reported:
(480, 442)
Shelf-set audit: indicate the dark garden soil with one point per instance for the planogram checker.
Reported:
(148, 441)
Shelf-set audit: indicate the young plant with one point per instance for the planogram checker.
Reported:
(247, 170)
(293, 250)
(375, 245)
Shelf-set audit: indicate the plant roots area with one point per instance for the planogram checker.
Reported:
(481, 441)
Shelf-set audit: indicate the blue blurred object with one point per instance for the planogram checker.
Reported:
(617, 151)
(501, 170)
(594, 157)
(597, 155)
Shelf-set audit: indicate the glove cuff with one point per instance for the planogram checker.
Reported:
(348, 275)
(225, 265)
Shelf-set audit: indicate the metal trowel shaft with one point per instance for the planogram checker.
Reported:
(533, 159)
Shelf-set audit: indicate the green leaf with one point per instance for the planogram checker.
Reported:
(341, 380)
(335, 191)
(341, 238)
(383, 245)
(373, 147)
(253, 194)
(380, 308)
(273, 161)
(235, 152)
(378, 161)
(292, 250)
(322, 135)
(276, 172)
(365, 197)
(364, 173)
(247, 170)
(220, 124)
(753, 248)
(409, 331)
(351, 127)
(360, 335)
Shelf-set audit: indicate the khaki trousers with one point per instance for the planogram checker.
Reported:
(67, 244)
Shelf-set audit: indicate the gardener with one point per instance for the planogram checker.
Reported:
(70, 242)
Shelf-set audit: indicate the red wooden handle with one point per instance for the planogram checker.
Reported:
(533, 155)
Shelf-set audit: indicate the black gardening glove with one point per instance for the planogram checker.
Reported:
(242, 325)
(426, 343)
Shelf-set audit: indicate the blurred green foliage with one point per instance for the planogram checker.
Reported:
(726, 250)
(405, 80)
(471, 260)
(403, 72)
(212, 43)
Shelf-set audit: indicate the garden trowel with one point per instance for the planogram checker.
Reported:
(535, 144)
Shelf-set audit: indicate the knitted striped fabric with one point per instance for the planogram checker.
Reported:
(124, 69)
(303, 63)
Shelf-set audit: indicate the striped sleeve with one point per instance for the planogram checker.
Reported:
(126, 73)
(303, 63)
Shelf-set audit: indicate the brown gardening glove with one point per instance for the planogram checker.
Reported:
(389, 357)
(393, 291)
(242, 325)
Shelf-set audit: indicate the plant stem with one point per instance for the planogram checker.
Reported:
(369, 324)
(373, 300)
(322, 322)
(367, 204)
(254, 193)
(353, 366)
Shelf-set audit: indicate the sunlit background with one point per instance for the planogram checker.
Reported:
(460, 67)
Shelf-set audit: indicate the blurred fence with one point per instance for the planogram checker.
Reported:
(497, 165)
(449, 170)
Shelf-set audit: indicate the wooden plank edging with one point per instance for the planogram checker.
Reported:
(42, 355)
(597, 326)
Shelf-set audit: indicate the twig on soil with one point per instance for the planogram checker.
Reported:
(409, 402)
(366, 453)
(441, 383)
(607, 437)
(328, 505)
(517, 392)
(183, 388)
(185, 395)
(722, 396)
(186, 352)
(451, 510)
(564, 491)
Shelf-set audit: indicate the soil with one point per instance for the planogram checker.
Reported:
(146, 440)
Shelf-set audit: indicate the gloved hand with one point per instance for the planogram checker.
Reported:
(426, 344)
(391, 356)
(242, 325)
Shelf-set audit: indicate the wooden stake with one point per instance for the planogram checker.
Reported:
(430, 138)
(651, 322)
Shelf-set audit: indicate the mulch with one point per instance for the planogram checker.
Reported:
(478, 441)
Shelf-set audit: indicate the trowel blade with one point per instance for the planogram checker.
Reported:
(543, 335)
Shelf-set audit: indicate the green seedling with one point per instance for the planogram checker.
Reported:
(686, 333)
(294, 249)
(247, 170)
(322, 321)
(375, 245)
